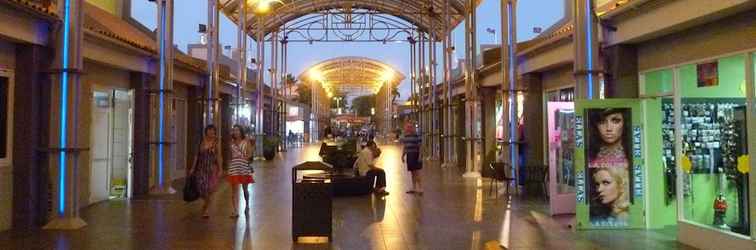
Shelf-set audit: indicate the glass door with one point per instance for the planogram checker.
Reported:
(560, 113)
(101, 142)
(121, 143)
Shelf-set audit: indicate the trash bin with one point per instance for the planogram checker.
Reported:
(311, 202)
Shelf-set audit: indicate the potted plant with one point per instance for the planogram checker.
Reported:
(270, 146)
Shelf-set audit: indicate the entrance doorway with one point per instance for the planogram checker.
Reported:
(112, 145)
(560, 120)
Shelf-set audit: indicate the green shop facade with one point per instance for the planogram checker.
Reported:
(703, 111)
(686, 129)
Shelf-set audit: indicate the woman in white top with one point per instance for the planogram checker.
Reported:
(239, 171)
(365, 166)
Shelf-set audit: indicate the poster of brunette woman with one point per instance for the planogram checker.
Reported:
(609, 166)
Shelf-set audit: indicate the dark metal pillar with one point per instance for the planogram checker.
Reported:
(260, 89)
(286, 88)
(213, 31)
(448, 87)
(413, 77)
(433, 114)
(241, 45)
(274, 100)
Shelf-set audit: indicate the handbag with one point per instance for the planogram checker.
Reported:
(251, 157)
(191, 193)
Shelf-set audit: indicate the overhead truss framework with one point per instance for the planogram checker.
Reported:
(352, 75)
(348, 26)
(349, 15)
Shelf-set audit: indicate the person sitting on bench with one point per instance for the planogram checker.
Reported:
(365, 166)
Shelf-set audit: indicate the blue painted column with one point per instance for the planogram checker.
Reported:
(586, 50)
(67, 143)
(162, 157)
(509, 84)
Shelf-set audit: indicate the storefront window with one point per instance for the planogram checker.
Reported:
(713, 128)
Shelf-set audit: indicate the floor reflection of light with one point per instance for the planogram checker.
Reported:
(240, 234)
(478, 212)
(506, 225)
(312, 240)
(475, 240)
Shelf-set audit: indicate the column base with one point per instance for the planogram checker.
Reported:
(258, 158)
(157, 190)
(64, 223)
(447, 165)
(471, 175)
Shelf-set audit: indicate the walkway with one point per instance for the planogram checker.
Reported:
(452, 214)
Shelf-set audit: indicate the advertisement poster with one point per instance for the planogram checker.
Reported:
(610, 162)
(707, 74)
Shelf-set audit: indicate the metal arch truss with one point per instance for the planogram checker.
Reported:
(426, 15)
(352, 75)
(347, 25)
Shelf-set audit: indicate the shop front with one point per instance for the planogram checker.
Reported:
(705, 112)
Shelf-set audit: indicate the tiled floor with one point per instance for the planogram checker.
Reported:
(452, 214)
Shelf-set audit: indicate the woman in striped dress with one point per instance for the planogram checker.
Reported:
(207, 167)
(239, 171)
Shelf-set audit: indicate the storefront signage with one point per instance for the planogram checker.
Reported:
(580, 184)
(578, 131)
(637, 142)
(638, 180)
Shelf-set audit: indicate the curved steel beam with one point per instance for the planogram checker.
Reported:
(408, 10)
